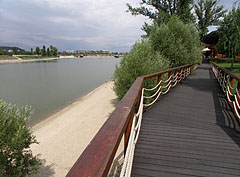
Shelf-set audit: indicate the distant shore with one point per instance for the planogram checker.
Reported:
(64, 135)
(6, 61)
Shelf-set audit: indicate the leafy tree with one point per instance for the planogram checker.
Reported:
(44, 51)
(16, 158)
(48, 52)
(229, 32)
(14, 50)
(208, 13)
(160, 11)
(177, 42)
(31, 51)
(141, 60)
(1, 52)
(37, 50)
(54, 50)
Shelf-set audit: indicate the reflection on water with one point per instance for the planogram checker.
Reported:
(50, 85)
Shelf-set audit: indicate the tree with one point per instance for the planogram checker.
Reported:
(141, 60)
(31, 51)
(15, 50)
(54, 50)
(44, 51)
(208, 13)
(16, 157)
(51, 50)
(177, 42)
(37, 50)
(160, 11)
(229, 32)
(48, 52)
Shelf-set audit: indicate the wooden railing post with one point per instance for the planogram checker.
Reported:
(169, 75)
(238, 89)
(158, 80)
(97, 158)
(231, 83)
(128, 129)
(127, 132)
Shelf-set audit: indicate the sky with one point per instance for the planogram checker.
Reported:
(72, 24)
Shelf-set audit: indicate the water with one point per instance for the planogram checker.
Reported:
(49, 86)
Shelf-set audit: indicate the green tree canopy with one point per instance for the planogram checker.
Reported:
(48, 52)
(44, 51)
(53, 50)
(208, 13)
(141, 60)
(169, 45)
(177, 42)
(229, 32)
(160, 11)
(37, 50)
(16, 158)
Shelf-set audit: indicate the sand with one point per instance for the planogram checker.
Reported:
(18, 60)
(64, 135)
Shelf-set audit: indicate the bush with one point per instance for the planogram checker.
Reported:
(16, 158)
(177, 42)
(141, 60)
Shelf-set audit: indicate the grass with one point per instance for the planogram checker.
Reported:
(236, 67)
(4, 56)
(236, 70)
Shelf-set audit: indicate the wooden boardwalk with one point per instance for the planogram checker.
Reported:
(190, 132)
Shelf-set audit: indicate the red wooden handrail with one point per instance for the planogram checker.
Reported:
(226, 81)
(97, 158)
(236, 77)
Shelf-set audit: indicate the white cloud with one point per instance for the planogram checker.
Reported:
(98, 23)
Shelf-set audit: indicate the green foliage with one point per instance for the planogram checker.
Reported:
(48, 51)
(43, 51)
(16, 159)
(177, 42)
(53, 50)
(37, 50)
(229, 32)
(235, 69)
(161, 11)
(208, 13)
(141, 60)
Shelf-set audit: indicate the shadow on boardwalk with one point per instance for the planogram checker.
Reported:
(190, 132)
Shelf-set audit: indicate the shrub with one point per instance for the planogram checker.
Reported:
(177, 42)
(16, 158)
(141, 60)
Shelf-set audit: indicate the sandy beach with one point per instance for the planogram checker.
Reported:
(8, 61)
(64, 135)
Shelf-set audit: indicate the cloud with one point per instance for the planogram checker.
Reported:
(71, 24)
(94, 24)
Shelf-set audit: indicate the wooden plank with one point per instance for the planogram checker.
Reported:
(97, 157)
(191, 131)
(195, 166)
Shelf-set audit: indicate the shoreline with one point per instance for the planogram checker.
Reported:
(48, 59)
(64, 135)
(66, 107)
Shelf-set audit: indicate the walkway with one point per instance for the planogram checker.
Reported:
(190, 132)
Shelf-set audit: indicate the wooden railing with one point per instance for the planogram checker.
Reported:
(97, 158)
(230, 84)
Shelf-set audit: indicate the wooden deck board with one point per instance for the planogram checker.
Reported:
(190, 132)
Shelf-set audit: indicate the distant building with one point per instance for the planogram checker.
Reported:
(210, 41)
(104, 51)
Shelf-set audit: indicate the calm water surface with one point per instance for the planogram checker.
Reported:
(49, 86)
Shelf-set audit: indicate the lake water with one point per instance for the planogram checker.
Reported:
(51, 85)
